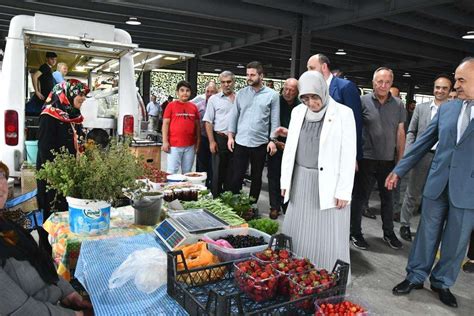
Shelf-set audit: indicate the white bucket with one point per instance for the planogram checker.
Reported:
(89, 217)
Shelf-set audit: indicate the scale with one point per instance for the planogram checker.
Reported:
(187, 226)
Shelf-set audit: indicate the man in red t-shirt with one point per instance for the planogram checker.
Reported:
(181, 131)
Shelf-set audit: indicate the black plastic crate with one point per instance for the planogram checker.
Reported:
(201, 293)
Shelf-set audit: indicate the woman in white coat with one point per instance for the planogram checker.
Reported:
(317, 174)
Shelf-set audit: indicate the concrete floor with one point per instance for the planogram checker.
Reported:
(376, 271)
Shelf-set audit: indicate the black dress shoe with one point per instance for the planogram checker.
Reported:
(405, 287)
(445, 296)
(368, 213)
(405, 233)
(468, 267)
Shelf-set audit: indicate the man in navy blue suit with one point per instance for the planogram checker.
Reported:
(342, 91)
(448, 197)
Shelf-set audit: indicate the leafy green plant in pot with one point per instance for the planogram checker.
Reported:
(91, 181)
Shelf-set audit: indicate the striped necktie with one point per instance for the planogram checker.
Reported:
(466, 117)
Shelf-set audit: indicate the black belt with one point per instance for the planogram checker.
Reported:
(432, 151)
(153, 115)
(221, 134)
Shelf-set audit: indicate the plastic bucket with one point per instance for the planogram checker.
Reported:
(31, 151)
(148, 210)
(88, 217)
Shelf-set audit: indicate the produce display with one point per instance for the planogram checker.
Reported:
(155, 174)
(240, 203)
(287, 264)
(346, 308)
(265, 225)
(311, 282)
(217, 208)
(243, 241)
(259, 281)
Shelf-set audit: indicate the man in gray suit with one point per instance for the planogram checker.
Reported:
(448, 197)
(422, 116)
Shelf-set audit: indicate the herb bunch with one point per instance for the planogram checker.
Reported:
(96, 174)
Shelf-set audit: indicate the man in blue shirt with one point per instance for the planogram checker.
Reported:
(255, 116)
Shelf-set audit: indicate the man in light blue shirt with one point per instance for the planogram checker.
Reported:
(153, 109)
(254, 118)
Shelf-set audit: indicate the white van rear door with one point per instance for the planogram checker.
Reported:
(76, 44)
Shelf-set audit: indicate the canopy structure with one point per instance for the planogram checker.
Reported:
(418, 39)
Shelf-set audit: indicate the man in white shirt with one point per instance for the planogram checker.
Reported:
(153, 109)
(422, 116)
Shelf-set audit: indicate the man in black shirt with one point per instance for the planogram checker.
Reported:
(288, 100)
(43, 83)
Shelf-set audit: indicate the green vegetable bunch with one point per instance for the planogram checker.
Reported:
(97, 174)
(265, 225)
(218, 208)
(240, 203)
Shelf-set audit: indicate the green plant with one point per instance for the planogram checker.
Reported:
(265, 225)
(96, 174)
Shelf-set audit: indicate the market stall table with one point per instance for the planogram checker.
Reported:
(66, 245)
(97, 261)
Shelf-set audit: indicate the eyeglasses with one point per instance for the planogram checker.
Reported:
(306, 98)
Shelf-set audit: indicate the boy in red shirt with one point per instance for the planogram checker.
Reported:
(181, 131)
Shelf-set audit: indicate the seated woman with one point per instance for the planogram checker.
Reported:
(29, 284)
(317, 174)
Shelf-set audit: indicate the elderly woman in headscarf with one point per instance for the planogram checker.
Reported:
(317, 174)
(59, 127)
(29, 284)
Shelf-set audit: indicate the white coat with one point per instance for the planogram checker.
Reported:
(337, 153)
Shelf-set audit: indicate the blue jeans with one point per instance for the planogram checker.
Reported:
(180, 157)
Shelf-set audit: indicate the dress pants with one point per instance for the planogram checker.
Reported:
(369, 172)
(242, 156)
(203, 160)
(221, 163)
(470, 252)
(454, 238)
(273, 175)
(416, 182)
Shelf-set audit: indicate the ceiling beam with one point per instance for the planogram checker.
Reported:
(366, 10)
(416, 35)
(423, 24)
(289, 6)
(403, 66)
(371, 40)
(266, 36)
(451, 15)
(225, 11)
(339, 4)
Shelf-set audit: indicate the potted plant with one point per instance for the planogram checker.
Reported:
(91, 181)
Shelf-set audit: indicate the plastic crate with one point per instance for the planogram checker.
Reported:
(231, 254)
(221, 297)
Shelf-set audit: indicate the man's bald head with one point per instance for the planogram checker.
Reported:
(290, 90)
(464, 77)
(321, 64)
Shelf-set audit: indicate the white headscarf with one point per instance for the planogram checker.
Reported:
(312, 82)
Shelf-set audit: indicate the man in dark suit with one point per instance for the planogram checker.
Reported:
(448, 197)
(342, 91)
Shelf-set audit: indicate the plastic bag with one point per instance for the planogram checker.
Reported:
(146, 267)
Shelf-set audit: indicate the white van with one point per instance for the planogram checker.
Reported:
(94, 48)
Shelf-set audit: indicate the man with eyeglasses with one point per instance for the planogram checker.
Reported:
(383, 144)
(216, 119)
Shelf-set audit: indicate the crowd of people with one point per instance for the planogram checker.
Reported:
(325, 156)
(325, 147)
